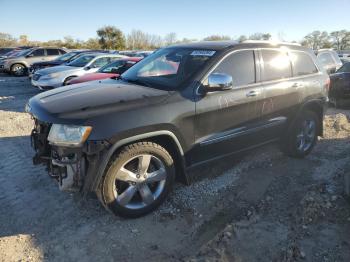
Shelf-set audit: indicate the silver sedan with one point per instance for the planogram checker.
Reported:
(59, 75)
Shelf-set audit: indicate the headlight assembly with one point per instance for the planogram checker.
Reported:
(68, 135)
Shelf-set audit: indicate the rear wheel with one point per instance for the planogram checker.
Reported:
(18, 70)
(138, 180)
(302, 136)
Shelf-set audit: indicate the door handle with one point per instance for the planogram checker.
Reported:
(297, 85)
(252, 93)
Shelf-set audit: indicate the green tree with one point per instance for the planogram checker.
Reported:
(317, 40)
(92, 43)
(260, 36)
(340, 39)
(111, 37)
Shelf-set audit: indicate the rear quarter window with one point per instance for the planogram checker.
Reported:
(302, 64)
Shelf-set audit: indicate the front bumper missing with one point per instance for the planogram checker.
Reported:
(73, 168)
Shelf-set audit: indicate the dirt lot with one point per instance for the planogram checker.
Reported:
(261, 206)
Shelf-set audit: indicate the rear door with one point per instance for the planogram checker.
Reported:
(281, 92)
(224, 118)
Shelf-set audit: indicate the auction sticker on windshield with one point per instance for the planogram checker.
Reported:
(203, 52)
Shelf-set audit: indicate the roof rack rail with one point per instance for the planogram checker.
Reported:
(270, 42)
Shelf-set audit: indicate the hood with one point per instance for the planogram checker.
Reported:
(91, 77)
(75, 104)
(56, 69)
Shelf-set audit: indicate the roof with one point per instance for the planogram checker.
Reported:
(220, 45)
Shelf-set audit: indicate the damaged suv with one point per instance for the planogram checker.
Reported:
(128, 139)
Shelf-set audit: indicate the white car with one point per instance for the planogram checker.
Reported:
(59, 75)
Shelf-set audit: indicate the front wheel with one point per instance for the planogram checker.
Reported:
(138, 180)
(302, 135)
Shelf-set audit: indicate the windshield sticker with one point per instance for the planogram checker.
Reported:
(203, 53)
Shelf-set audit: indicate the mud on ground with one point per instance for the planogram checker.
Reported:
(260, 206)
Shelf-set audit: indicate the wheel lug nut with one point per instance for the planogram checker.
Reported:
(137, 176)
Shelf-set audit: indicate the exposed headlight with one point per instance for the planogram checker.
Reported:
(68, 135)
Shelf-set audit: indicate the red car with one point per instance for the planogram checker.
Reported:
(113, 69)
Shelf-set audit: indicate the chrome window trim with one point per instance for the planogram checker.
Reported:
(257, 59)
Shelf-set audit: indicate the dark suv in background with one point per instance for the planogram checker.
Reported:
(128, 139)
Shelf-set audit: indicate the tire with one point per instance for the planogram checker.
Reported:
(128, 187)
(18, 70)
(302, 135)
(65, 82)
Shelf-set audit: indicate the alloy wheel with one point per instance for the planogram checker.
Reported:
(306, 136)
(139, 181)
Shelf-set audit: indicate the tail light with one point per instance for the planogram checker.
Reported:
(328, 83)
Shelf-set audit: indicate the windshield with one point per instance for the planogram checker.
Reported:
(22, 53)
(81, 61)
(117, 67)
(169, 67)
(66, 56)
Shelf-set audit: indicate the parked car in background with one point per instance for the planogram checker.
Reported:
(329, 59)
(339, 91)
(57, 76)
(18, 65)
(128, 139)
(8, 51)
(66, 58)
(114, 69)
(5, 50)
(136, 53)
(345, 60)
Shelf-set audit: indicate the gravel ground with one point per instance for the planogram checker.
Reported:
(261, 206)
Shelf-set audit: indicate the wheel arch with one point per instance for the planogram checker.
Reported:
(165, 138)
(316, 106)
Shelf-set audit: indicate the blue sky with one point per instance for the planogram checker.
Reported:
(50, 19)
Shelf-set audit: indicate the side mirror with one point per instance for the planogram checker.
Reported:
(87, 68)
(30, 55)
(219, 82)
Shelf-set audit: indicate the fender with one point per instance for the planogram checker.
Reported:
(92, 183)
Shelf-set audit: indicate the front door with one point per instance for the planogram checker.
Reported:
(223, 118)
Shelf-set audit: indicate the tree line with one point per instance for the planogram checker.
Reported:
(110, 37)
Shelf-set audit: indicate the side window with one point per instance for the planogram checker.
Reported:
(325, 58)
(303, 64)
(277, 65)
(101, 62)
(38, 52)
(52, 52)
(240, 66)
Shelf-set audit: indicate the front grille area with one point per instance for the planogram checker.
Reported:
(36, 77)
(39, 142)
